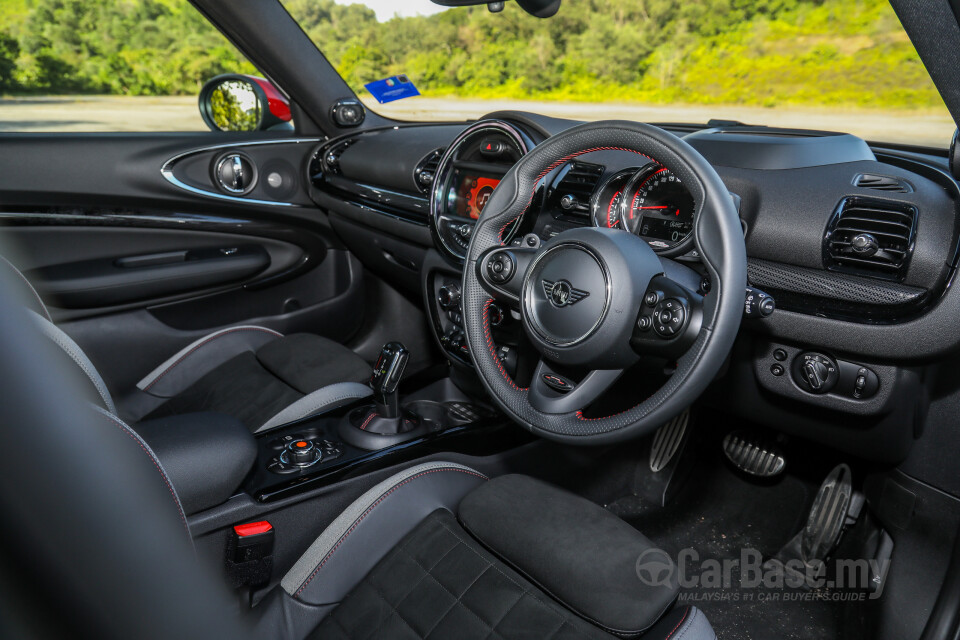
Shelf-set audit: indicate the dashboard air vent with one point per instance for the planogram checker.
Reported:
(871, 238)
(426, 170)
(330, 160)
(882, 183)
(576, 186)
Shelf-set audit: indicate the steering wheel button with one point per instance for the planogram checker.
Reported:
(652, 298)
(645, 323)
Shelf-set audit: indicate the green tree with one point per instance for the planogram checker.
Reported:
(9, 51)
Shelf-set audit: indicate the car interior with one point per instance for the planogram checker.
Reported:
(515, 377)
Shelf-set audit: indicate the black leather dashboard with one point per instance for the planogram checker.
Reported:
(793, 189)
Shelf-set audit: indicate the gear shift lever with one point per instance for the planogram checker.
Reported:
(386, 377)
(384, 422)
(385, 417)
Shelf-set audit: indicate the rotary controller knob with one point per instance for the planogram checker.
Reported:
(301, 453)
(449, 296)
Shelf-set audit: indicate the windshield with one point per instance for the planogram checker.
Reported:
(837, 65)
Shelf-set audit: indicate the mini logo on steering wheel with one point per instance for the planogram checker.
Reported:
(562, 294)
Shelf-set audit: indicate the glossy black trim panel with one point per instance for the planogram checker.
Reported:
(481, 438)
(402, 206)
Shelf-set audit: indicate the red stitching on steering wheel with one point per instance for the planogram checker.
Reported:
(557, 164)
(486, 307)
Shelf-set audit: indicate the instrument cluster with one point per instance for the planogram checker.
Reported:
(650, 202)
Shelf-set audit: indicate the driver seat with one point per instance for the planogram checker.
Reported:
(95, 532)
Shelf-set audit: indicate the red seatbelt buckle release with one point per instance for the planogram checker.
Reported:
(253, 529)
(249, 557)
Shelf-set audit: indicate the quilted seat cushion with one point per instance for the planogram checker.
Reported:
(440, 583)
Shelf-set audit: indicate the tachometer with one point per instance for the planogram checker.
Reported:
(660, 210)
(608, 203)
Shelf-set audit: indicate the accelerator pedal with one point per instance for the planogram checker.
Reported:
(667, 441)
(754, 453)
(836, 507)
(658, 481)
(828, 515)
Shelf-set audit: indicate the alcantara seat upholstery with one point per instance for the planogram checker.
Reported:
(252, 373)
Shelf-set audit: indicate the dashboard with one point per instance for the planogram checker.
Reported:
(857, 244)
(648, 201)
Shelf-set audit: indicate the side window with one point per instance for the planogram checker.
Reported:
(111, 65)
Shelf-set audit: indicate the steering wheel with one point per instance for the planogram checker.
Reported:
(598, 300)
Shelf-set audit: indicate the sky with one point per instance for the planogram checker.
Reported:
(386, 9)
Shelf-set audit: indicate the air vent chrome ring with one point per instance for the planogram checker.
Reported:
(426, 170)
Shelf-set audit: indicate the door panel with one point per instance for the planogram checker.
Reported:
(123, 169)
(53, 254)
(135, 266)
(134, 278)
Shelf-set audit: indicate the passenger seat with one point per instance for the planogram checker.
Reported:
(255, 374)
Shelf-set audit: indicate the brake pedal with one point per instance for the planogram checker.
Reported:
(754, 454)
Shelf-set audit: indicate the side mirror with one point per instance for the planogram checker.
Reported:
(234, 102)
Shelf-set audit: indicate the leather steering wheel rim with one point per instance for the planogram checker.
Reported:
(719, 240)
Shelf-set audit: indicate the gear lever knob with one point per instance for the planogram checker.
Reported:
(386, 376)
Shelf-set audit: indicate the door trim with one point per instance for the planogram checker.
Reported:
(167, 171)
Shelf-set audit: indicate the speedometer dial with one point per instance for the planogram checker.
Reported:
(660, 210)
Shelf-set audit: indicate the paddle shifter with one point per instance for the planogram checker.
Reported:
(386, 376)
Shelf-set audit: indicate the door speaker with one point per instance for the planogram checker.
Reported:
(279, 179)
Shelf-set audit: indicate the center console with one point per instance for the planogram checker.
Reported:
(311, 453)
(393, 426)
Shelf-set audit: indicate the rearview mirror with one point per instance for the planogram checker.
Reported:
(538, 8)
(235, 102)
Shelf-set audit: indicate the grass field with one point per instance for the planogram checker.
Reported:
(113, 113)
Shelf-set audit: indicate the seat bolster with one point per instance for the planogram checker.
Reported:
(363, 534)
(682, 623)
(202, 356)
(282, 617)
(29, 296)
(72, 350)
(161, 471)
(324, 399)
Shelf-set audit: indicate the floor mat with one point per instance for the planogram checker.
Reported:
(718, 513)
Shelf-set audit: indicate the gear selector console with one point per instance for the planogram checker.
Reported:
(387, 421)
